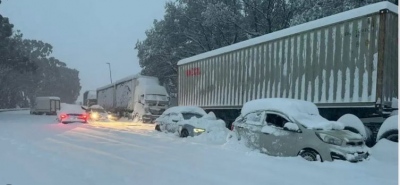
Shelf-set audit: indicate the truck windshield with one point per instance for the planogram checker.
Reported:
(156, 97)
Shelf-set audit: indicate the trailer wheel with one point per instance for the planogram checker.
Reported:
(391, 135)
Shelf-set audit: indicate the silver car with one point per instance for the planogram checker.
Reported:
(279, 132)
(176, 120)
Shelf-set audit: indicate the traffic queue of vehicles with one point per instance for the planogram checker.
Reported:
(286, 93)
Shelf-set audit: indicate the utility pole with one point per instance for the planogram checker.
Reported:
(109, 67)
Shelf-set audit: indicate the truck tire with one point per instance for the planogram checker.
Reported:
(391, 135)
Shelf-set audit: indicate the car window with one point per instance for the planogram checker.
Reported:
(254, 118)
(275, 120)
(189, 115)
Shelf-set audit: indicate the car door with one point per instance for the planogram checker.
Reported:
(277, 141)
(250, 129)
(172, 122)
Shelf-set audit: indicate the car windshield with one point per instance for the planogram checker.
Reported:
(156, 97)
(316, 122)
(189, 115)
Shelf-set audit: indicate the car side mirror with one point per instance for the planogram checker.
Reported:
(289, 126)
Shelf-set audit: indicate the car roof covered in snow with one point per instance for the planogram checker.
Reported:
(283, 105)
(182, 109)
(306, 113)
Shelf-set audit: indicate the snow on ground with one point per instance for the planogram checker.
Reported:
(37, 150)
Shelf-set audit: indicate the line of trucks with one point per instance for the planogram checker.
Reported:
(345, 64)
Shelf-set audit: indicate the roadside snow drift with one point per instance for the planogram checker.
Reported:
(37, 151)
(390, 123)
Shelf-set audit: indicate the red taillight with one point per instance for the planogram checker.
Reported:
(63, 116)
(232, 126)
(84, 116)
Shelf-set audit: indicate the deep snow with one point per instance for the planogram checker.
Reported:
(37, 150)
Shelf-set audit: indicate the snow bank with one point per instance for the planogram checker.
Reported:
(353, 121)
(386, 151)
(390, 123)
(180, 109)
(216, 132)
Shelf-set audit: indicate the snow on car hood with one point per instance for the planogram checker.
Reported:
(207, 122)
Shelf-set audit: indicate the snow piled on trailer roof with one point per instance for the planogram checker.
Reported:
(128, 78)
(181, 109)
(351, 14)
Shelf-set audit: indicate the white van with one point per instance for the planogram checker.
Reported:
(46, 105)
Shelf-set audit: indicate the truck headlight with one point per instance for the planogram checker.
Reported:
(330, 139)
(198, 130)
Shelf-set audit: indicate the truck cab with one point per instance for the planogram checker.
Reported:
(151, 106)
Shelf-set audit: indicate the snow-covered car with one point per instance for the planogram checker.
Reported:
(71, 113)
(389, 129)
(288, 127)
(354, 124)
(187, 121)
(97, 113)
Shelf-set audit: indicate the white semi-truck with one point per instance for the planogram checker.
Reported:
(345, 63)
(139, 96)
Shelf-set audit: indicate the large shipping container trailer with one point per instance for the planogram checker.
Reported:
(137, 95)
(344, 63)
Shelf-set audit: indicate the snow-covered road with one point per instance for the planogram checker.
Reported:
(34, 150)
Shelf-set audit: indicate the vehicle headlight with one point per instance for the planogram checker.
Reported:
(94, 115)
(330, 139)
(109, 116)
(197, 130)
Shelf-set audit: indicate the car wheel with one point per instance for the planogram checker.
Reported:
(391, 135)
(158, 128)
(309, 155)
(184, 133)
(63, 122)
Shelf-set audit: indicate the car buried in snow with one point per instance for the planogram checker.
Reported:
(188, 121)
(288, 127)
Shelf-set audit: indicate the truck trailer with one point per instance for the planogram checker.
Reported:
(345, 63)
(89, 98)
(135, 96)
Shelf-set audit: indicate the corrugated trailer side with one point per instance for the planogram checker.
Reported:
(106, 97)
(336, 64)
(390, 59)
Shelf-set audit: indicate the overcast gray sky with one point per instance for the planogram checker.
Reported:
(86, 34)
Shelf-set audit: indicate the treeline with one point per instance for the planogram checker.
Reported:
(192, 27)
(27, 70)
